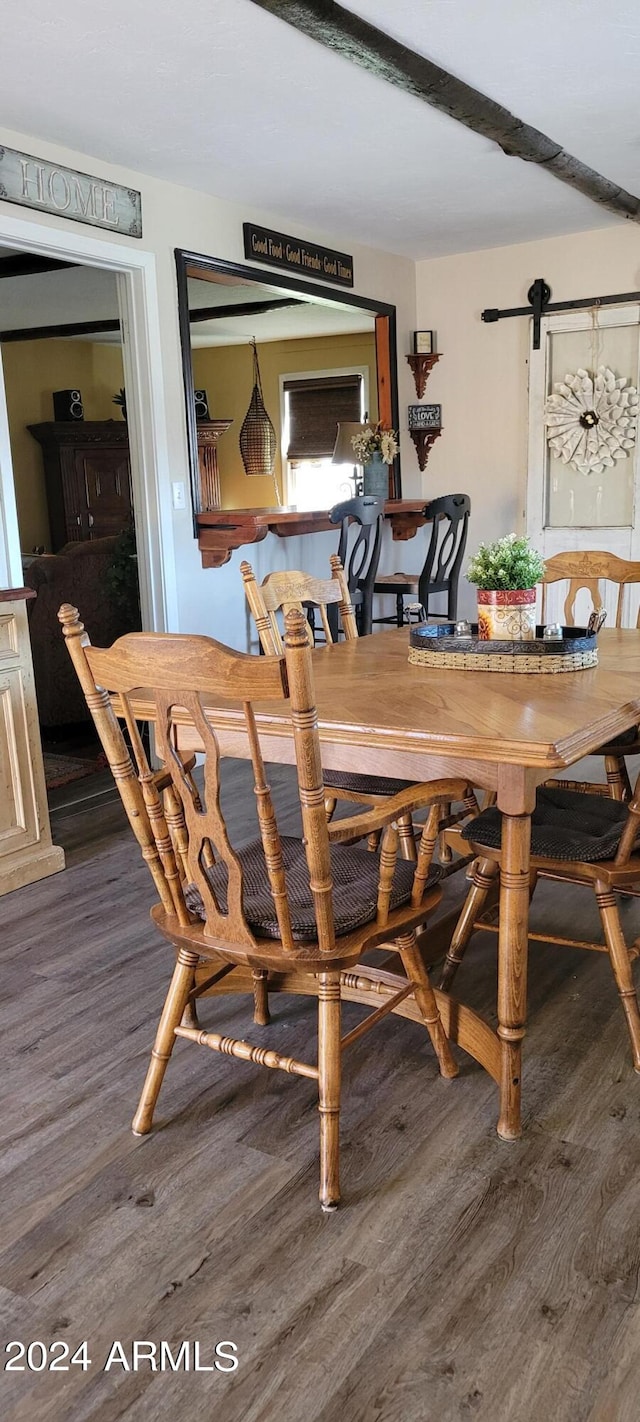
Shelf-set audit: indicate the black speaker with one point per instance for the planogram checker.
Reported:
(201, 404)
(67, 405)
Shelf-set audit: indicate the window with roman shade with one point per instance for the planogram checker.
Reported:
(316, 407)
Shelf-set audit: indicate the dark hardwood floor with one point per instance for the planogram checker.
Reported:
(462, 1278)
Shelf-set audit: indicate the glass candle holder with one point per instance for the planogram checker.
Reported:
(553, 632)
(462, 628)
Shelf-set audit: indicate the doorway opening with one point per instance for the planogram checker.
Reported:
(72, 480)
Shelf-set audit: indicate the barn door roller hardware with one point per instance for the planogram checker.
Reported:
(540, 305)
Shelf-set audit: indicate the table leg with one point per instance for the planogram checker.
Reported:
(512, 966)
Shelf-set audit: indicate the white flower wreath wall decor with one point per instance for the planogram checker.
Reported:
(591, 420)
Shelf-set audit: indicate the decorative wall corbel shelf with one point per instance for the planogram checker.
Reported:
(421, 366)
(423, 440)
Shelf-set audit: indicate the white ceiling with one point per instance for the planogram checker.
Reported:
(52, 298)
(289, 323)
(227, 99)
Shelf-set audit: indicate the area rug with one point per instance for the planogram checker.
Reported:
(62, 769)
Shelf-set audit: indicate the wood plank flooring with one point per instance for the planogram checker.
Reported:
(462, 1278)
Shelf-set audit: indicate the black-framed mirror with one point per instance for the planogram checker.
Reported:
(323, 356)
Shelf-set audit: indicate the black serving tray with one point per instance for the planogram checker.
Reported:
(440, 637)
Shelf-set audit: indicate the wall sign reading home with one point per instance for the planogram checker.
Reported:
(33, 182)
(304, 258)
(425, 417)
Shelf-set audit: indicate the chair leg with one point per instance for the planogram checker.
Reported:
(616, 777)
(425, 997)
(261, 1014)
(329, 1064)
(407, 838)
(445, 851)
(484, 875)
(620, 962)
(365, 627)
(400, 609)
(171, 1017)
(190, 1016)
(330, 803)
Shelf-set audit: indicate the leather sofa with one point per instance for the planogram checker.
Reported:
(77, 574)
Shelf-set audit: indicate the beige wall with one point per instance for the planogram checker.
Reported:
(210, 601)
(482, 379)
(32, 371)
(226, 373)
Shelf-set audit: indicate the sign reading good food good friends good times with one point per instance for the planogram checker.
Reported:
(34, 182)
(305, 258)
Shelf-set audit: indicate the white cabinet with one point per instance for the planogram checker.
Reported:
(26, 851)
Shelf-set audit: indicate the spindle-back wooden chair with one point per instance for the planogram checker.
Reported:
(588, 571)
(277, 908)
(278, 593)
(281, 591)
(576, 838)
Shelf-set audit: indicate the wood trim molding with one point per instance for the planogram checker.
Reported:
(17, 594)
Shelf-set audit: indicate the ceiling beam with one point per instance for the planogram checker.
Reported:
(363, 44)
(74, 328)
(97, 328)
(242, 308)
(28, 264)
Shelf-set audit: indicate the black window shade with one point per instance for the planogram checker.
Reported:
(316, 408)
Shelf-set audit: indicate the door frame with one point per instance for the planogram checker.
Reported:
(536, 526)
(139, 314)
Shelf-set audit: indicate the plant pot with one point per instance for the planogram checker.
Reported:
(507, 615)
(376, 477)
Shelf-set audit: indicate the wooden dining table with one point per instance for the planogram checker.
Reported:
(504, 732)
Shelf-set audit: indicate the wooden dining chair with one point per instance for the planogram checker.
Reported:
(446, 524)
(580, 839)
(278, 593)
(590, 571)
(278, 908)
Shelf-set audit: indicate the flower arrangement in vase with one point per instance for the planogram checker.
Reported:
(506, 573)
(375, 448)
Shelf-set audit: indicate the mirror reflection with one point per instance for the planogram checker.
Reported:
(275, 372)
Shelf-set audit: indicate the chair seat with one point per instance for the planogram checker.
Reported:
(564, 825)
(355, 876)
(395, 582)
(364, 784)
(625, 741)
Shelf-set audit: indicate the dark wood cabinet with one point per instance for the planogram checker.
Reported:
(87, 477)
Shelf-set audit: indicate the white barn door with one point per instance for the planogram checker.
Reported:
(567, 509)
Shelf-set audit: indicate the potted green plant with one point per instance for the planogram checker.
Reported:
(375, 448)
(505, 574)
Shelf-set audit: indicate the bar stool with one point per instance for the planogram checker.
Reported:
(449, 519)
(359, 554)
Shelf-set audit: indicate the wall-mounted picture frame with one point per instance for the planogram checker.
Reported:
(424, 342)
(425, 417)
